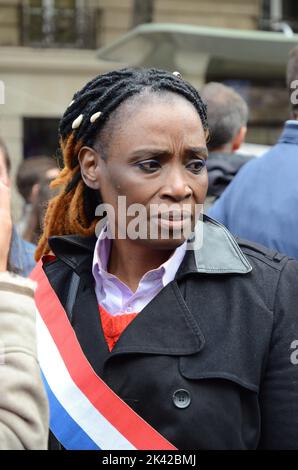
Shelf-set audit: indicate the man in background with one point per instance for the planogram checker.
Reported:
(227, 119)
(29, 176)
(261, 203)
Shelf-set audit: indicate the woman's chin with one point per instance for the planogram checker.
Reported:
(161, 244)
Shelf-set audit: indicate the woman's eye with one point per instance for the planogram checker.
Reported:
(149, 165)
(196, 166)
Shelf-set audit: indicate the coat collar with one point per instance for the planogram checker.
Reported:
(167, 325)
(213, 250)
(290, 133)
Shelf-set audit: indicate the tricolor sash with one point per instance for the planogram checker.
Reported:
(84, 412)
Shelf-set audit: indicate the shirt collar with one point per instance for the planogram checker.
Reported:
(165, 272)
(102, 250)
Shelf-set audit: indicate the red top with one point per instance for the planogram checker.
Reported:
(114, 325)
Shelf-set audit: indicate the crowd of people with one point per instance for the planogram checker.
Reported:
(193, 336)
(261, 202)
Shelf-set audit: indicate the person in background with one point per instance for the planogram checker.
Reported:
(261, 203)
(34, 227)
(227, 117)
(23, 404)
(21, 253)
(30, 172)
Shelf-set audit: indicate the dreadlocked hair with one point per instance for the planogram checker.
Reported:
(72, 211)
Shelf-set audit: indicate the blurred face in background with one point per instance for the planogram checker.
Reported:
(4, 177)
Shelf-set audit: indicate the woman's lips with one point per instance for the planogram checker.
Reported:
(178, 216)
(174, 221)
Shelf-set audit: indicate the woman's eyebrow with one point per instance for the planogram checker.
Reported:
(147, 152)
(163, 152)
(201, 151)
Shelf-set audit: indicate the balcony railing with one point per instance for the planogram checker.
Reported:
(45, 25)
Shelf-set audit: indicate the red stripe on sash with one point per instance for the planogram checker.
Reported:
(117, 412)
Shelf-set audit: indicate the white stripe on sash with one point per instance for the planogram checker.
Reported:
(70, 396)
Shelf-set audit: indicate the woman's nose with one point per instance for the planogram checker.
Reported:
(176, 187)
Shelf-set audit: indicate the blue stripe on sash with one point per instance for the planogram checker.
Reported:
(65, 429)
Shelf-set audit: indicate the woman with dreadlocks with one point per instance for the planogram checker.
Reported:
(184, 341)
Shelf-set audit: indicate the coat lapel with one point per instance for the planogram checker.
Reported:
(165, 326)
(87, 326)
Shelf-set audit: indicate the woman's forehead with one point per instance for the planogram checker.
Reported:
(159, 127)
(153, 119)
(158, 114)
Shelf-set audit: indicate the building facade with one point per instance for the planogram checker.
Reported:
(48, 51)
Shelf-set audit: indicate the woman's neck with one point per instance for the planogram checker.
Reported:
(129, 261)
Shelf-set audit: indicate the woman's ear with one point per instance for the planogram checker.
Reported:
(89, 163)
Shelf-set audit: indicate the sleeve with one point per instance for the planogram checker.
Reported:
(279, 388)
(23, 404)
(228, 208)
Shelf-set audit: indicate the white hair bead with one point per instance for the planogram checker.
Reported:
(77, 122)
(70, 104)
(95, 116)
(177, 74)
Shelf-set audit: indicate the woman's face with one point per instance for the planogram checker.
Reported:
(156, 158)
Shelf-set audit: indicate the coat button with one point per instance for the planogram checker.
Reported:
(181, 398)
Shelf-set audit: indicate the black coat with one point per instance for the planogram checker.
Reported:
(208, 361)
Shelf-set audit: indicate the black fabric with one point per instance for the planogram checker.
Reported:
(224, 338)
(222, 168)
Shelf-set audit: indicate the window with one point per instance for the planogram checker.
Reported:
(280, 15)
(290, 13)
(40, 137)
(58, 23)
